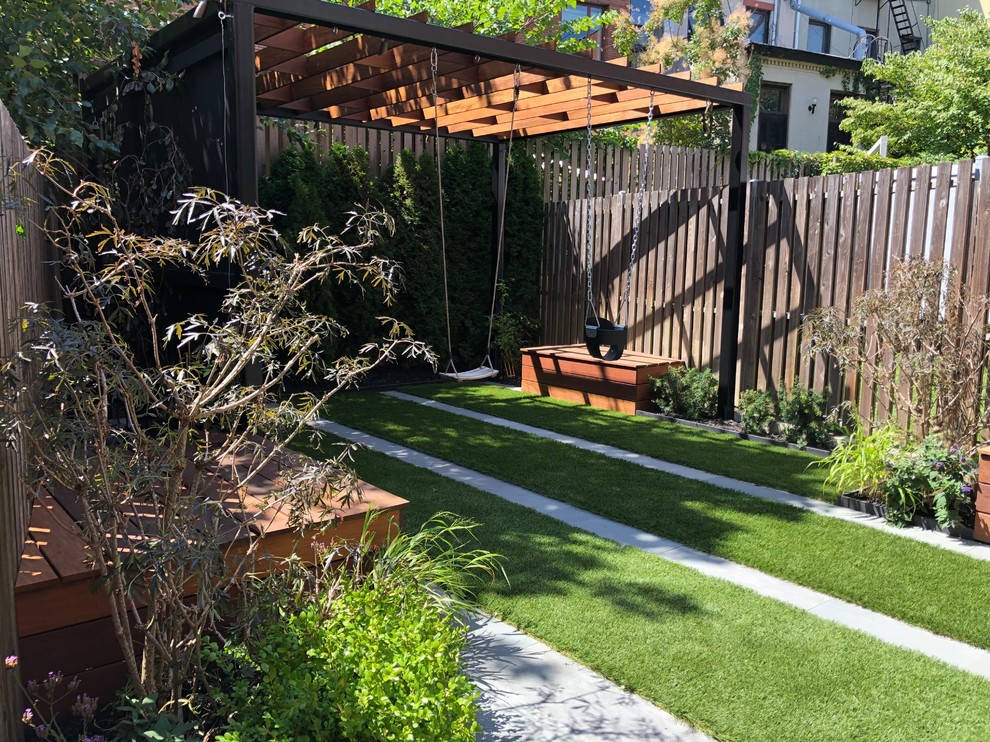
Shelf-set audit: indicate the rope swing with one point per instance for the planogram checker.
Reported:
(487, 369)
(600, 332)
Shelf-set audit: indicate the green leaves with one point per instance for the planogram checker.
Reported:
(374, 655)
(939, 105)
(45, 46)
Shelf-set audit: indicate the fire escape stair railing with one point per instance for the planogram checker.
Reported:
(905, 26)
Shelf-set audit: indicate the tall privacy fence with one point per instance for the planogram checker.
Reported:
(810, 242)
(27, 276)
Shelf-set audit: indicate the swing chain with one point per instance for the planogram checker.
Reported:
(587, 209)
(638, 213)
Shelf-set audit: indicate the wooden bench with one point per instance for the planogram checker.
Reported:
(570, 373)
(63, 616)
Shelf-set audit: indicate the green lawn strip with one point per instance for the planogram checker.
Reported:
(731, 662)
(944, 592)
(718, 453)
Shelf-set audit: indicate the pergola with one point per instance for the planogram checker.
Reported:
(323, 61)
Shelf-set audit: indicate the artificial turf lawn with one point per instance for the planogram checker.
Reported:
(939, 590)
(731, 662)
(718, 453)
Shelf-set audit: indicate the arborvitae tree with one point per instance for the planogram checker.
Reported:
(468, 207)
(524, 217)
(312, 189)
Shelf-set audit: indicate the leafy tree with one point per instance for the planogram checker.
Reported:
(538, 20)
(939, 99)
(48, 46)
(116, 426)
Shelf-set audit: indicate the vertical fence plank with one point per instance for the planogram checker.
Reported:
(751, 311)
(919, 211)
(860, 266)
(781, 307)
(812, 278)
(844, 255)
(798, 201)
(765, 379)
(940, 210)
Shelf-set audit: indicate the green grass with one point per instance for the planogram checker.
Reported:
(718, 453)
(942, 591)
(735, 664)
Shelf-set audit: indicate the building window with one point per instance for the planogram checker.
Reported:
(580, 12)
(759, 26)
(639, 12)
(771, 128)
(819, 37)
(873, 46)
(836, 113)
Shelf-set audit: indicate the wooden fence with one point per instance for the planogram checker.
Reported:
(811, 242)
(27, 275)
(381, 145)
(614, 169)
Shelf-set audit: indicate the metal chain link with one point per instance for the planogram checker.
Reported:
(638, 213)
(587, 212)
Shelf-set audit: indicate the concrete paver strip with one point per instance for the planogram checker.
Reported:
(889, 630)
(933, 538)
(531, 693)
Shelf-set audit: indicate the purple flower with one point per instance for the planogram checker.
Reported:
(938, 464)
(966, 490)
(28, 716)
(10, 662)
(41, 731)
(85, 706)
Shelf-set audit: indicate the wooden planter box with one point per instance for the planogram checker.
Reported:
(63, 616)
(570, 373)
(981, 528)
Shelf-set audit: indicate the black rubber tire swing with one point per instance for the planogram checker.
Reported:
(604, 333)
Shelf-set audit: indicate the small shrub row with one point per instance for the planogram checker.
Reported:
(803, 413)
(686, 392)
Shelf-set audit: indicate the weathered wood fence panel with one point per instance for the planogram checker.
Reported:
(381, 145)
(810, 242)
(675, 292)
(27, 275)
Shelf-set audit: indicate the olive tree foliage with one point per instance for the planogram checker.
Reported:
(48, 46)
(119, 425)
(923, 340)
(716, 48)
(938, 103)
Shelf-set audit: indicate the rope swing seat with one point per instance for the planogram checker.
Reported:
(487, 369)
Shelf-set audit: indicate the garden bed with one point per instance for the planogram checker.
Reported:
(732, 427)
(854, 501)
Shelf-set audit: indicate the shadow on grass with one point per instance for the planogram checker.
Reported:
(693, 513)
(709, 451)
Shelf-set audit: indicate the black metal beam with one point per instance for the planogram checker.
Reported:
(735, 238)
(323, 117)
(244, 116)
(449, 39)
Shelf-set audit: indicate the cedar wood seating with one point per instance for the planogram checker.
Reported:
(63, 616)
(570, 373)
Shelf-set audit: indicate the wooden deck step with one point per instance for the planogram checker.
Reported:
(570, 373)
